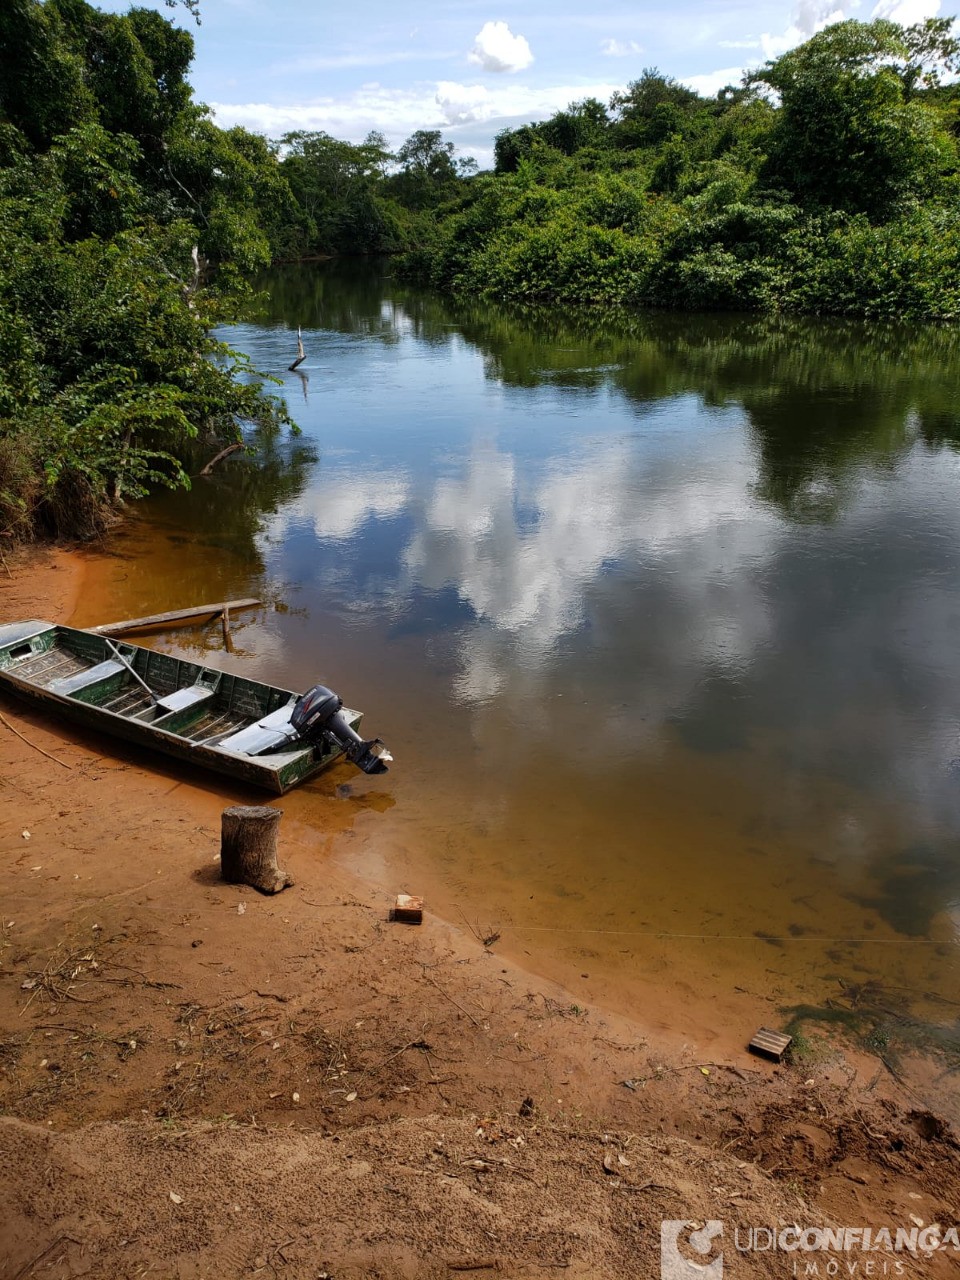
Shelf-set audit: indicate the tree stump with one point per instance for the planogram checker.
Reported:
(248, 847)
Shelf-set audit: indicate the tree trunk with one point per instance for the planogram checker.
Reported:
(248, 847)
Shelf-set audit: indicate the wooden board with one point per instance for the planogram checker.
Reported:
(175, 615)
(770, 1044)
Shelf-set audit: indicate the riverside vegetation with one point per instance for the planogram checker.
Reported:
(129, 223)
(826, 183)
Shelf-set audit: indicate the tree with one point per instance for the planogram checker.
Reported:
(652, 108)
(110, 179)
(849, 133)
(511, 146)
(43, 89)
(428, 172)
(932, 49)
(583, 124)
(335, 185)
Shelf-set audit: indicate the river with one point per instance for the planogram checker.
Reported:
(659, 618)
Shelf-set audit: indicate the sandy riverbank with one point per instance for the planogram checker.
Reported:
(199, 1081)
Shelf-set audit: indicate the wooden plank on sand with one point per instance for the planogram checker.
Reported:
(770, 1044)
(175, 615)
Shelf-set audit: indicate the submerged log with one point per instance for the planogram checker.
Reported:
(248, 847)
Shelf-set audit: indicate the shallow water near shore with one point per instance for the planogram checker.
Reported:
(658, 617)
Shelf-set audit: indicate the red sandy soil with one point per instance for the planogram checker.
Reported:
(200, 1081)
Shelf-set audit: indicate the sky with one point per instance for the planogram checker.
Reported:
(473, 67)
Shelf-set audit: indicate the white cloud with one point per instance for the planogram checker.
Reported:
(907, 12)
(529, 585)
(811, 16)
(341, 61)
(496, 48)
(712, 82)
(620, 48)
(739, 44)
(461, 103)
(517, 100)
(397, 113)
(482, 675)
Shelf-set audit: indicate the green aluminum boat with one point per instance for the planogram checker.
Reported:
(249, 731)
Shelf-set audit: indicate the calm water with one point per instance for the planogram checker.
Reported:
(660, 622)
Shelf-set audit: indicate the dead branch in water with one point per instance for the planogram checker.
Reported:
(224, 453)
(301, 354)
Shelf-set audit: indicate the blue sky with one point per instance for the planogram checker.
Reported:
(473, 67)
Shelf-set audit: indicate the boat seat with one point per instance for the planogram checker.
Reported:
(83, 679)
(180, 699)
(271, 732)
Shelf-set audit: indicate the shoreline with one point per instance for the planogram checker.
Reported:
(680, 1014)
(144, 1003)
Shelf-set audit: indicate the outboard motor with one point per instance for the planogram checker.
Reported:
(318, 716)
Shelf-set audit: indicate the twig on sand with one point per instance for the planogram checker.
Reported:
(449, 997)
(687, 1066)
(6, 722)
(35, 1262)
(486, 939)
(419, 1043)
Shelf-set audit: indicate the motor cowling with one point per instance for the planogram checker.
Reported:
(318, 719)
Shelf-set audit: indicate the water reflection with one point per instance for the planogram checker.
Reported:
(616, 517)
(643, 507)
(338, 507)
(660, 616)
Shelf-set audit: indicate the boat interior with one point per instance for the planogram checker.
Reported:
(207, 707)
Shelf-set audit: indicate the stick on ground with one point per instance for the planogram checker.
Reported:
(6, 722)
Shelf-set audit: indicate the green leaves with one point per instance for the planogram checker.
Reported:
(850, 133)
(339, 192)
(110, 180)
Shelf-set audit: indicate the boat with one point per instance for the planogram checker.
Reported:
(252, 732)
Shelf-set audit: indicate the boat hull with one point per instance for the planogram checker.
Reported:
(97, 682)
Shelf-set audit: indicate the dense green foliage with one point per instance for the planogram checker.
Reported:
(360, 198)
(827, 183)
(115, 190)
